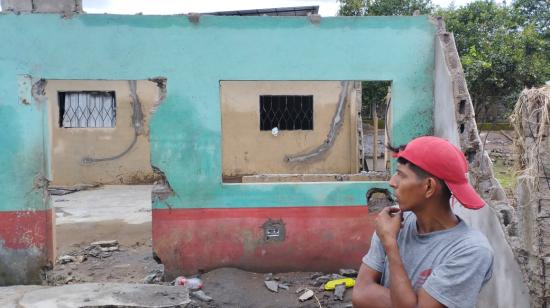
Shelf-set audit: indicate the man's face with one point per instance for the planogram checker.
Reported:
(409, 189)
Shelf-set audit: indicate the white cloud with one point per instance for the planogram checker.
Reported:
(167, 7)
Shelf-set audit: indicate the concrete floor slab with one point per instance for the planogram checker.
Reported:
(129, 203)
(104, 295)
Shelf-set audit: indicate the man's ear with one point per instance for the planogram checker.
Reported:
(431, 187)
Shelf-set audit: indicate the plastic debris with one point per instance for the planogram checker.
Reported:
(331, 285)
(190, 283)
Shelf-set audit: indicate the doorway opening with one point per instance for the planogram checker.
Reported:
(101, 179)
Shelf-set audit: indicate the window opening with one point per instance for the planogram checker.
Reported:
(286, 112)
(87, 109)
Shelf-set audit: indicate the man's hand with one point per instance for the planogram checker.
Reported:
(388, 224)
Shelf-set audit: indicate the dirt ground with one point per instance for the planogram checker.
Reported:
(81, 221)
(229, 287)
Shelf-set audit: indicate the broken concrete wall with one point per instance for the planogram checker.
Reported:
(26, 231)
(185, 130)
(454, 119)
(42, 6)
(530, 121)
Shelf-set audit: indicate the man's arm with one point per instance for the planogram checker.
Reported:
(401, 291)
(368, 292)
(402, 294)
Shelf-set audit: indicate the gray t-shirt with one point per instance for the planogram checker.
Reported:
(451, 265)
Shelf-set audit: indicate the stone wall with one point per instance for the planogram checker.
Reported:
(530, 120)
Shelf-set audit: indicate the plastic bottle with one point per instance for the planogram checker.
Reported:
(191, 283)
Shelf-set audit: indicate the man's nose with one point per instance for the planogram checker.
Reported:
(393, 182)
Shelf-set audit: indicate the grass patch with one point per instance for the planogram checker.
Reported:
(506, 175)
(494, 126)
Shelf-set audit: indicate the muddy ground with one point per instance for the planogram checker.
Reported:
(82, 222)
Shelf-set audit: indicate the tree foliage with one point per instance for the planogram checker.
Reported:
(503, 48)
(384, 7)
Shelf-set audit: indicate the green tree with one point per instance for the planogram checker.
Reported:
(501, 51)
(384, 7)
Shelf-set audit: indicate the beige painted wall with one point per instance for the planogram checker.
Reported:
(70, 145)
(246, 150)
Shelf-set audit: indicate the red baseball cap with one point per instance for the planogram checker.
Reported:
(445, 161)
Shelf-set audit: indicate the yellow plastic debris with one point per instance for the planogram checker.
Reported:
(331, 285)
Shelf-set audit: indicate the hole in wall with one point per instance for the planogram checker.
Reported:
(274, 230)
(378, 198)
(462, 127)
(103, 208)
(470, 155)
(462, 106)
(506, 219)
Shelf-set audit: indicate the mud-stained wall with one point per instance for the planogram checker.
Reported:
(248, 150)
(73, 150)
(454, 120)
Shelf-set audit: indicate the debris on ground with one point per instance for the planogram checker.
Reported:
(66, 259)
(272, 285)
(308, 294)
(154, 276)
(191, 283)
(347, 282)
(200, 295)
(339, 291)
(319, 281)
(348, 272)
(106, 246)
(283, 286)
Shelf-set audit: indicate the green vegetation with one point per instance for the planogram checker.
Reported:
(504, 48)
(505, 175)
(494, 126)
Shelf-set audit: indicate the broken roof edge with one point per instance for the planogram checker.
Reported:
(281, 11)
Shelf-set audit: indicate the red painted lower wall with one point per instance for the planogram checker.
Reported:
(26, 246)
(28, 229)
(316, 239)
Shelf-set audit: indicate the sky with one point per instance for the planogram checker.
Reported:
(162, 7)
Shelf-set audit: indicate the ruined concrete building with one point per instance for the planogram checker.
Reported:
(191, 100)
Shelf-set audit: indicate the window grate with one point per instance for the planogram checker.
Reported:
(87, 109)
(286, 112)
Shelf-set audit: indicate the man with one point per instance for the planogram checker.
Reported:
(422, 254)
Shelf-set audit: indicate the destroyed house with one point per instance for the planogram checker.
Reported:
(250, 126)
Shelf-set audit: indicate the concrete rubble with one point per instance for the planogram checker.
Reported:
(308, 294)
(339, 291)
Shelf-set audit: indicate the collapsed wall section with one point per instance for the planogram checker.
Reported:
(454, 119)
(531, 123)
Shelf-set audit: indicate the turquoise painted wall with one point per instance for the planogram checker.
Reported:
(186, 128)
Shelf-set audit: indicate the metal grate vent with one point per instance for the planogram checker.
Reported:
(286, 112)
(87, 109)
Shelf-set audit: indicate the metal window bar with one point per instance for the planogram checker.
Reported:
(286, 112)
(87, 109)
